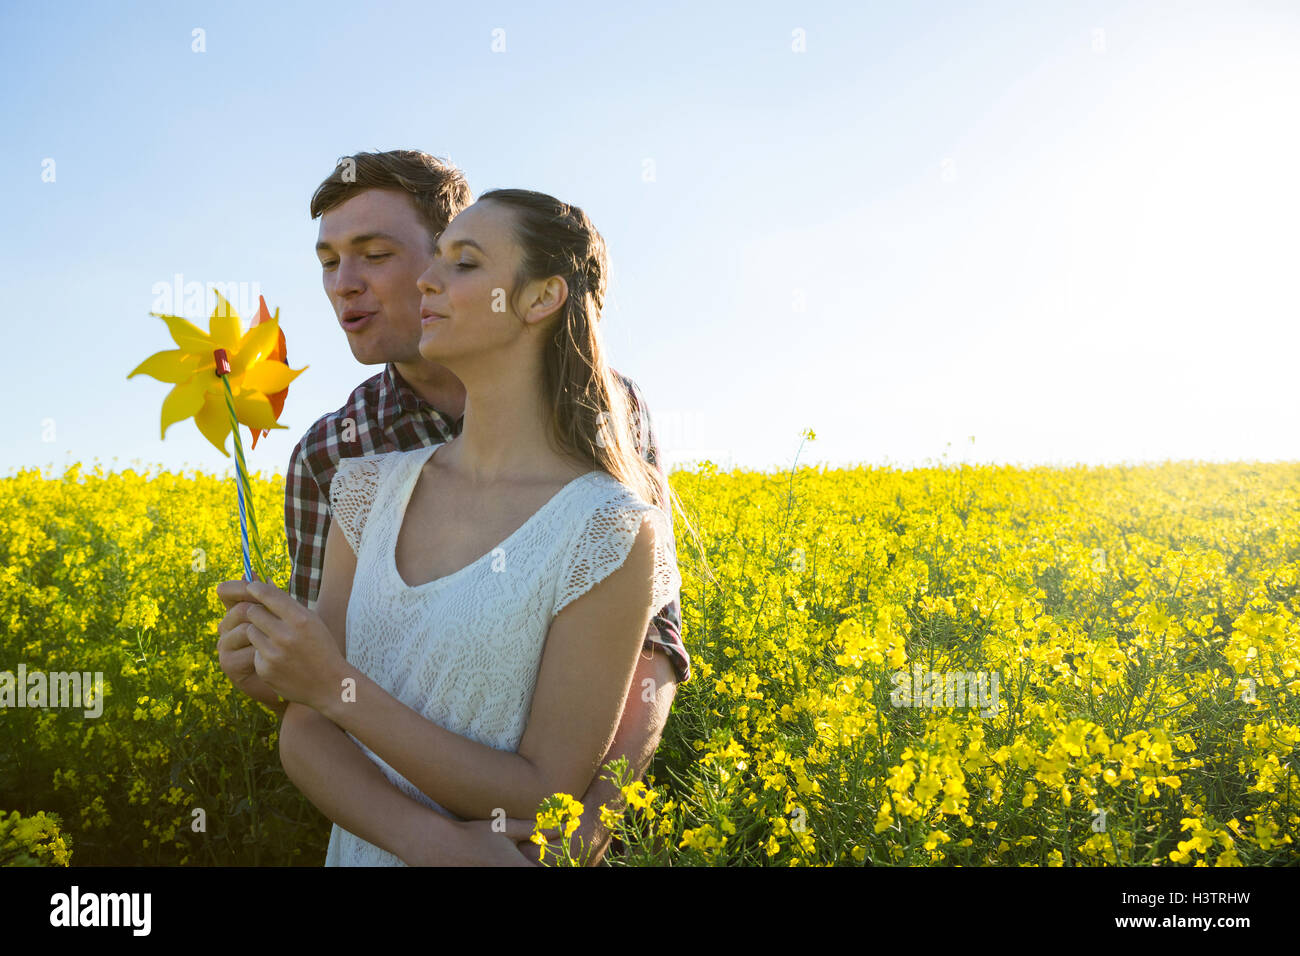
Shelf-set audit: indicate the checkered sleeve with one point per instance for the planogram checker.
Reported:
(306, 522)
(666, 626)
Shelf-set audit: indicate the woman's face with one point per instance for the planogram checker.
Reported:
(465, 306)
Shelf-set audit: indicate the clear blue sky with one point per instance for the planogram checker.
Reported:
(1065, 229)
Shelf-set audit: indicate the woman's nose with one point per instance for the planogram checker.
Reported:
(428, 282)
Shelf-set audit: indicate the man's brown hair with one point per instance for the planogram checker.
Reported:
(437, 188)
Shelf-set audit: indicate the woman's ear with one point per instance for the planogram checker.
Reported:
(544, 298)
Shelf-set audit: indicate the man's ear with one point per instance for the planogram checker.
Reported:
(544, 298)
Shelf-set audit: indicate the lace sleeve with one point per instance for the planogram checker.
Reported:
(352, 491)
(604, 543)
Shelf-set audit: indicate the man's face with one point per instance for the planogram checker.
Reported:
(372, 249)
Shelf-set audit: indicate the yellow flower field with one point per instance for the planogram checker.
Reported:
(1116, 652)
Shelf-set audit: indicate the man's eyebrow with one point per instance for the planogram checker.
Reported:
(362, 239)
(437, 246)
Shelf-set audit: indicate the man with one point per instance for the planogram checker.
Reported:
(380, 216)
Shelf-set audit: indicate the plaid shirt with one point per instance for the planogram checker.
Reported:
(384, 414)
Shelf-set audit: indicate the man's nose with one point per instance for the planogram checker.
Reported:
(347, 279)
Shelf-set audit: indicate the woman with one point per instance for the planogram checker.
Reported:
(483, 600)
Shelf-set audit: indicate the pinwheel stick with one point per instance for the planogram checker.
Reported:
(253, 560)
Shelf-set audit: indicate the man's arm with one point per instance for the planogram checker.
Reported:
(639, 729)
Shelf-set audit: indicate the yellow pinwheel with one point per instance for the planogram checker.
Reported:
(254, 378)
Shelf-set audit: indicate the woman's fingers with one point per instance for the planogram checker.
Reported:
(518, 829)
(238, 664)
(232, 636)
(231, 593)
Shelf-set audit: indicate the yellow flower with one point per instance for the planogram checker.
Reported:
(639, 797)
(608, 818)
(199, 392)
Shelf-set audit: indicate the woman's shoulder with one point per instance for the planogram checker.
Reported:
(602, 487)
(604, 500)
(606, 521)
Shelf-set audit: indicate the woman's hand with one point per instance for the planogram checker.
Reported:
(510, 847)
(235, 652)
(477, 844)
(294, 652)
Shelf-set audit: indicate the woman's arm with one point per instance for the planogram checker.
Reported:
(350, 789)
(347, 786)
(589, 659)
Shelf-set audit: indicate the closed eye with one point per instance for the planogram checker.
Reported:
(331, 263)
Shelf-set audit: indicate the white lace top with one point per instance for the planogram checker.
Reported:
(464, 650)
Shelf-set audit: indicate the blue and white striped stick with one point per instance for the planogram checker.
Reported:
(253, 559)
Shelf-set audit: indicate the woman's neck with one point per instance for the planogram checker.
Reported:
(504, 436)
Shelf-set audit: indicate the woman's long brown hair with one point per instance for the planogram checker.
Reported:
(591, 411)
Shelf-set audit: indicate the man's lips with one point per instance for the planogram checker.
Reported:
(354, 318)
